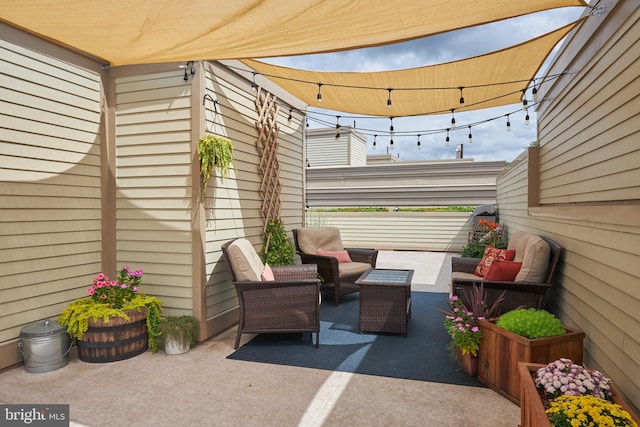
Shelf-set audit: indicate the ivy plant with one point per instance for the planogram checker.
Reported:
(276, 247)
(216, 153)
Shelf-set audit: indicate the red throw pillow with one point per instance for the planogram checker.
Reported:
(491, 254)
(343, 256)
(267, 274)
(503, 271)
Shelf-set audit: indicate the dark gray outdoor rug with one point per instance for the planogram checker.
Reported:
(422, 355)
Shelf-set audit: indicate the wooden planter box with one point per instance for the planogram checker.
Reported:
(531, 409)
(501, 351)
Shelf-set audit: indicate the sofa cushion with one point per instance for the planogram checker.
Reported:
(535, 261)
(491, 254)
(342, 256)
(503, 271)
(352, 268)
(310, 239)
(245, 261)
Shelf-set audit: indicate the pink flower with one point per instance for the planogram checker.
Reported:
(123, 286)
(103, 296)
(135, 289)
(475, 329)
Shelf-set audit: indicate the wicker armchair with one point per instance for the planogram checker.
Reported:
(290, 303)
(338, 278)
(519, 293)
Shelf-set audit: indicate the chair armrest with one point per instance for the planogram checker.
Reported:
(327, 266)
(248, 286)
(289, 273)
(368, 256)
(463, 264)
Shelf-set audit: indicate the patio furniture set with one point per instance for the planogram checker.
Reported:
(278, 299)
(287, 298)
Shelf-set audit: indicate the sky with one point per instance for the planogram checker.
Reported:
(491, 141)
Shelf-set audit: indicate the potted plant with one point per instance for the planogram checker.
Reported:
(522, 335)
(564, 393)
(462, 324)
(215, 153)
(178, 333)
(116, 321)
(276, 247)
(490, 234)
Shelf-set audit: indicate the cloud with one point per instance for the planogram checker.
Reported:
(491, 141)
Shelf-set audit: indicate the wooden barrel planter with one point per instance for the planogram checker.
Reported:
(118, 339)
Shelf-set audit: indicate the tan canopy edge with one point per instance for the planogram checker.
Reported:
(122, 32)
(367, 93)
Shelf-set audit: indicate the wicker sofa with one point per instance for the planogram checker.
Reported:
(338, 277)
(289, 303)
(539, 256)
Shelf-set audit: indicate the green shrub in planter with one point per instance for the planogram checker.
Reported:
(531, 323)
(184, 330)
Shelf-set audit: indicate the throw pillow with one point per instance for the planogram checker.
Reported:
(491, 254)
(267, 274)
(343, 256)
(503, 271)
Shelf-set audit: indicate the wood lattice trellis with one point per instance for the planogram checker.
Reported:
(267, 145)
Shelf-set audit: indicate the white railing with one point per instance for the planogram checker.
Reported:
(421, 231)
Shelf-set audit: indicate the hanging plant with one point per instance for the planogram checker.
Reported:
(215, 152)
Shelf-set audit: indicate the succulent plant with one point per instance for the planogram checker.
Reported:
(531, 323)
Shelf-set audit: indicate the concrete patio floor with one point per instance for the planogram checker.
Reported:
(203, 387)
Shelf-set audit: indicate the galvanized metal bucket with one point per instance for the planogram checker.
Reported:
(45, 346)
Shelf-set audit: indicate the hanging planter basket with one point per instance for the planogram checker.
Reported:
(215, 153)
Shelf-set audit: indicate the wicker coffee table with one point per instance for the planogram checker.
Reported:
(385, 300)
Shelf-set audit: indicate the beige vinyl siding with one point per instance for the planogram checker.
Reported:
(403, 184)
(589, 181)
(153, 183)
(232, 206)
(358, 149)
(50, 217)
(421, 231)
(323, 149)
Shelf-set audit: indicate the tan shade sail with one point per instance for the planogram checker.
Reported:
(490, 80)
(125, 32)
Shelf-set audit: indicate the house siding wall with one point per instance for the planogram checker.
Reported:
(153, 182)
(50, 182)
(589, 184)
(232, 205)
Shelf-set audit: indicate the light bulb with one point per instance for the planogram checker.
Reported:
(470, 136)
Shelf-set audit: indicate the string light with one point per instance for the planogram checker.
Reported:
(453, 118)
(419, 147)
(534, 92)
(470, 136)
(374, 141)
(446, 141)
(337, 127)
(391, 143)
(461, 97)
(508, 124)
(525, 103)
(319, 96)
(290, 116)
(253, 81)
(389, 100)
(308, 164)
(391, 126)
(526, 118)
